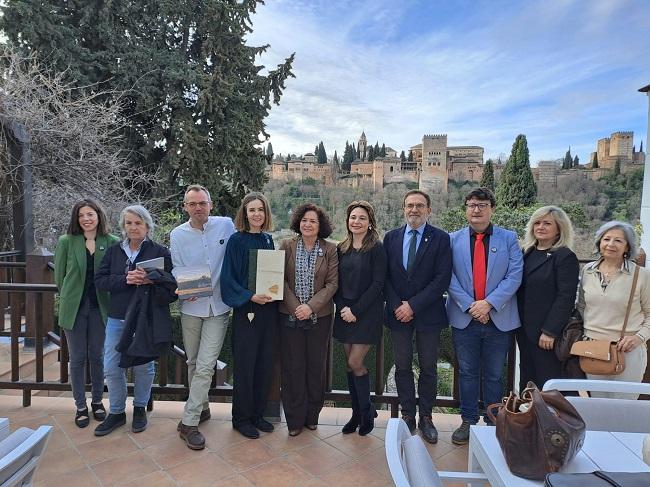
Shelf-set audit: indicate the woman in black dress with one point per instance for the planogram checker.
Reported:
(547, 293)
(359, 306)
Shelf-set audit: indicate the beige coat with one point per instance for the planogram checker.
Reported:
(326, 278)
(604, 311)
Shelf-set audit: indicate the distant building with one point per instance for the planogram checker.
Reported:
(618, 146)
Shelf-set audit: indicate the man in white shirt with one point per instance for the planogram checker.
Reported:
(201, 241)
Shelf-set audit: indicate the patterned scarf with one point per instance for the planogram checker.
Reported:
(305, 270)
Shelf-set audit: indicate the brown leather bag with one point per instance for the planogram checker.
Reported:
(601, 357)
(540, 437)
(571, 333)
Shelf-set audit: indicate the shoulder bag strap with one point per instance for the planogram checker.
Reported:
(629, 301)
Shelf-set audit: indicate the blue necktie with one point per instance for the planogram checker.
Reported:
(411, 257)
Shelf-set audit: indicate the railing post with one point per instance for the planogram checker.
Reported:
(38, 272)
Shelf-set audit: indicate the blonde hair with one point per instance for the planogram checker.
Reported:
(562, 221)
(241, 222)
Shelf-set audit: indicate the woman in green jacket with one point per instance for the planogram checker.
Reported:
(82, 309)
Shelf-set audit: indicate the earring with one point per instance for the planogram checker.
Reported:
(369, 227)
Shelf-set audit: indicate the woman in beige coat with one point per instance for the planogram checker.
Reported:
(603, 296)
(310, 281)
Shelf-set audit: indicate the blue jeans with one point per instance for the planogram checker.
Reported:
(86, 342)
(481, 350)
(116, 376)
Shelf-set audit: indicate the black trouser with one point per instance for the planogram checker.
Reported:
(252, 350)
(304, 356)
(536, 364)
(427, 344)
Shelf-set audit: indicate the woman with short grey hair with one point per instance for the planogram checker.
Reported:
(127, 281)
(603, 297)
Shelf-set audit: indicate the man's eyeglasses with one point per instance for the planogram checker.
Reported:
(480, 206)
(415, 206)
(194, 204)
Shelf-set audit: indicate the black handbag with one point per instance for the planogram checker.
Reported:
(597, 479)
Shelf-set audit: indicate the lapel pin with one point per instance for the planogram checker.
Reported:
(221, 241)
(101, 247)
(493, 249)
(426, 239)
(548, 254)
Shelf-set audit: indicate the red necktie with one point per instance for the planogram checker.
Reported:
(479, 267)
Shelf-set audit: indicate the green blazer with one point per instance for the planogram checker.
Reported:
(70, 274)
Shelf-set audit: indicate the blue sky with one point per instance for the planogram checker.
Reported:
(563, 72)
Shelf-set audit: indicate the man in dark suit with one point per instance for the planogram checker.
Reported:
(419, 271)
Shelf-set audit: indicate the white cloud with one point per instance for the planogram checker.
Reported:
(563, 73)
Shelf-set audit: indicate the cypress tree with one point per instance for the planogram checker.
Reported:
(487, 179)
(347, 158)
(594, 165)
(516, 186)
(568, 160)
(269, 152)
(371, 153)
(402, 156)
(576, 161)
(617, 166)
(322, 155)
(410, 157)
(382, 152)
(194, 98)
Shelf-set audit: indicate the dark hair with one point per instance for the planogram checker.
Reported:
(324, 225)
(241, 221)
(371, 238)
(484, 194)
(417, 191)
(102, 225)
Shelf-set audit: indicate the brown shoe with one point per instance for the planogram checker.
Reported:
(205, 415)
(193, 437)
(295, 432)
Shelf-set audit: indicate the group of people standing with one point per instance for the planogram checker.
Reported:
(494, 291)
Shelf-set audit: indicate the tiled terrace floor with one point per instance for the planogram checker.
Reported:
(157, 457)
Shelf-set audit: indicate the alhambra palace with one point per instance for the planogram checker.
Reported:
(435, 163)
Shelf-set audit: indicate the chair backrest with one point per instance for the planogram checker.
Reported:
(407, 456)
(410, 463)
(20, 453)
(608, 414)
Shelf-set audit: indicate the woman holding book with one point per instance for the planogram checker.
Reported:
(254, 317)
(310, 281)
(122, 275)
(360, 307)
(82, 308)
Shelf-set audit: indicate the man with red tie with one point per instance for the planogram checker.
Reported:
(482, 305)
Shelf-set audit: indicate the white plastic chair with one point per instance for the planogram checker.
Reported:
(4, 428)
(608, 414)
(20, 453)
(410, 464)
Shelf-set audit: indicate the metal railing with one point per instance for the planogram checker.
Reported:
(17, 294)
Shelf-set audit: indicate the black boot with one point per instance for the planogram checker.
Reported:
(352, 425)
(366, 409)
